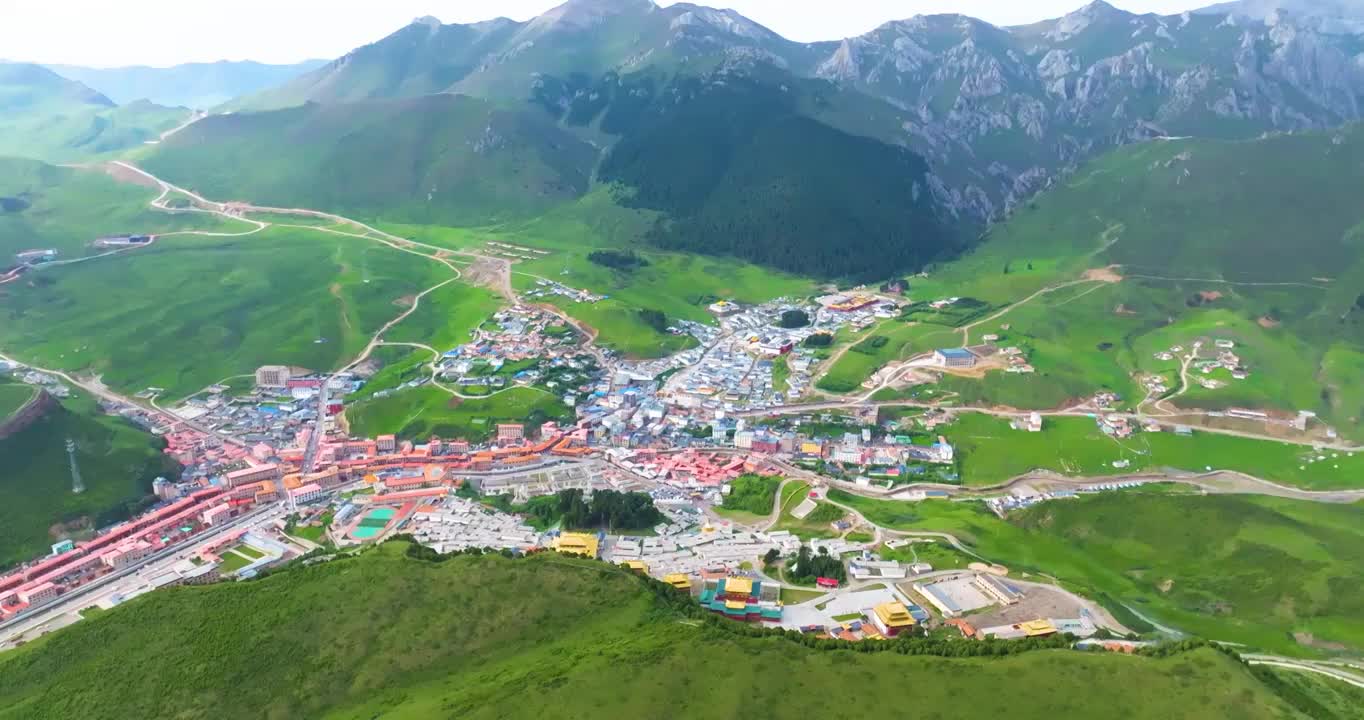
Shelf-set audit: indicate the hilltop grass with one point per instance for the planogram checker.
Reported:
(419, 413)
(576, 631)
(118, 463)
(186, 313)
(752, 495)
(991, 452)
(1251, 570)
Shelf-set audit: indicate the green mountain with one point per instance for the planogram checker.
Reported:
(47, 117)
(748, 165)
(194, 85)
(906, 139)
(386, 635)
(508, 60)
(433, 159)
(997, 112)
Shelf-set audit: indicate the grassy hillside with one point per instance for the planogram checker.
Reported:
(441, 159)
(1250, 570)
(118, 463)
(720, 165)
(388, 636)
(48, 117)
(1256, 242)
(189, 311)
(45, 206)
(992, 452)
(741, 171)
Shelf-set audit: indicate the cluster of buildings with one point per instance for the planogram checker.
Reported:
(114, 241)
(1024, 496)
(25, 261)
(514, 251)
(549, 288)
(692, 468)
(73, 565)
(50, 384)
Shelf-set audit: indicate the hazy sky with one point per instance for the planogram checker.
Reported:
(167, 32)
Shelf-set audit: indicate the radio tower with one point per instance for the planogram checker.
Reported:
(77, 485)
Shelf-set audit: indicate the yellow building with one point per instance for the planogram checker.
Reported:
(892, 618)
(741, 586)
(678, 580)
(1037, 628)
(583, 544)
(637, 566)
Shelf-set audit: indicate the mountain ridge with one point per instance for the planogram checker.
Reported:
(998, 112)
(195, 85)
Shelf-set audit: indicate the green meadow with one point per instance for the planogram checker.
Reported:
(1243, 569)
(574, 631)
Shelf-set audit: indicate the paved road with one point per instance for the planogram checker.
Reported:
(1343, 673)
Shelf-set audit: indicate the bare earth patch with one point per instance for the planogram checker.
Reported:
(1124, 310)
(405, 301)
(1268, 322)
(1104, 274)
(1166, 586)
(1307, 639)
(1210, 295)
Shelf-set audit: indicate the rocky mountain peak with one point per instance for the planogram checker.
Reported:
(727, 21)
(1080, 20)
(582, 14)
(428, 21)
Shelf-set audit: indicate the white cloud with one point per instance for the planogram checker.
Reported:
(166, 32)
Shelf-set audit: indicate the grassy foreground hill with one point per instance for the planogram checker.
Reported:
(387, 636)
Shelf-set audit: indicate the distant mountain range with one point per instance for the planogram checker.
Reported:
(48, 117)
(1330, 16)
(201, 86)
(714, 122)
(996, 111)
